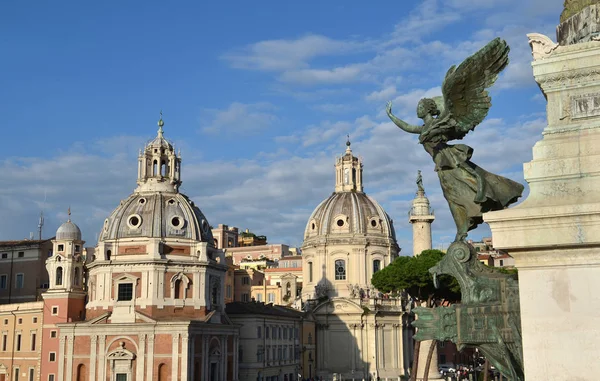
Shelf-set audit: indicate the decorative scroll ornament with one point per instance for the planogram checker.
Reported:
(541, 46)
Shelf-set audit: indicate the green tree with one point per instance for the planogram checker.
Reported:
(412, 275)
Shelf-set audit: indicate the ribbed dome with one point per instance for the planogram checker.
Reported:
(68, 231)
(345, 213)
(157, 215)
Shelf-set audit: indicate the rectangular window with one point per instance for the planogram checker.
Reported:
(77, 248)
(121, 377)
(245, 297)
(50, 377)
(20, 321)
(4, 341)
(501, 262)
(125, 292)
(228, 291)
(34, 320)
(55, 310)
(61, 247)
(31, 374)
(53, 334)
(310, 272)
(3, 280)
(259, 353)
(21, 254)
(4, 255)
(267, 331)
(285, 332)
(246, 280)
(19, 280)
(18, 342)
(52, 357)
(17, 373)
(259, 297)
(5, 321)
(271, 297)
(259, 332)
(376, 265)
(33, 337)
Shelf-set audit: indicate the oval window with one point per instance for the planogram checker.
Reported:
(176, 222)
(142, 200)
(134, 221)
(373, 223)
(340, 222)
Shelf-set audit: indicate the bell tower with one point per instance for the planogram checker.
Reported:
(159, 168)
(348, 172)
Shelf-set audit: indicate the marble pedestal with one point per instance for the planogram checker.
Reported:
(554, 235)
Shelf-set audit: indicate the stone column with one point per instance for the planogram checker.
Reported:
(101, 358)
(141, 357)
(175, 357)
(93, 348)
(185, 354)
(150, 362)
(434, 373)
(554, 235)
(61, 357)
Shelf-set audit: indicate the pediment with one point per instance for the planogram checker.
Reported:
(338, 306)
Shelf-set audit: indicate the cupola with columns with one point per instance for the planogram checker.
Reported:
(159, 167)
(348, 170)
(65, 266)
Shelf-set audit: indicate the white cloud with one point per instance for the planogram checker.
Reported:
(345, 74)
(281, 55)
(239, 118)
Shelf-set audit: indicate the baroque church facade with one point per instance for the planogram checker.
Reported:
(348, 238)
(155, 308)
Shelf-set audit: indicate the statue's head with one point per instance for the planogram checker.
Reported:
(427, 106)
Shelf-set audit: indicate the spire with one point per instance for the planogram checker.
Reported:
(69, 213)
(348, 169)
(160, 125)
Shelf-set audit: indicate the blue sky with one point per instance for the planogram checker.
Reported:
(259, 97)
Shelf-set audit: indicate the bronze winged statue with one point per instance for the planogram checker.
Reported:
(469, 189)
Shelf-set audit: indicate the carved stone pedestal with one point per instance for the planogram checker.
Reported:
(554, 235)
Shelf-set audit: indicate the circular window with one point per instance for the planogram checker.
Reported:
(340, 222)
(142, 200)
(171, 202)
(134, 221)
(177, 222)
(374, 223)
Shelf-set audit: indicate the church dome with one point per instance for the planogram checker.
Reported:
(157, 215)
(349, 213)
(68, 231)
(156, 209)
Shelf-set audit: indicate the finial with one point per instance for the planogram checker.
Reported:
(348, 141)
(69, 212)
(160, 124)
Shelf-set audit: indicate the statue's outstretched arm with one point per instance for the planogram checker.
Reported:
(400, 123)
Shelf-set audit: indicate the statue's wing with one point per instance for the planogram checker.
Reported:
(466, 100)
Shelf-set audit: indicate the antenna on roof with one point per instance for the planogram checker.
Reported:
(41, 221)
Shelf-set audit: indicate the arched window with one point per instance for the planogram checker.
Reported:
(163, 168)
(155, 168)
(340, 269)
(108, 253)
(81, 373)
(177, 289)
(376, 265)
(76, 277)
(310, 272)
(59, 276)
(163, 372)
(288, 289)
